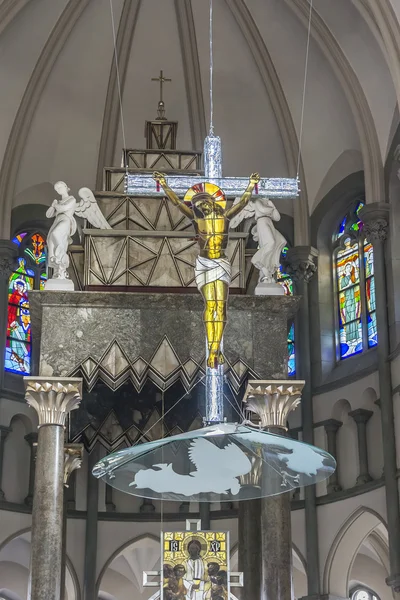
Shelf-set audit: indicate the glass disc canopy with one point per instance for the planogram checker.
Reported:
(221, 462)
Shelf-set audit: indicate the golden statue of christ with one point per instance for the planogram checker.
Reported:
(205, 205)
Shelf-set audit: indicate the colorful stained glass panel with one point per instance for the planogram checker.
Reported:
(18, 346)
(348, 279)
(37, 249)
(18, 238)
(291, 352)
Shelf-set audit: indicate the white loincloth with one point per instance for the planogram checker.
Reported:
(208, 270)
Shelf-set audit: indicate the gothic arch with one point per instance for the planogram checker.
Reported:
(344, 549)
(70, 566)
(118, 551)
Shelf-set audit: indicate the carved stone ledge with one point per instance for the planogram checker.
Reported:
(73, 454)
(375, 218)
(273, 400)
(300, 263)
(53, 398)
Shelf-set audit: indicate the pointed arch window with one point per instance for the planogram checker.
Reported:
(355, 286)
(29, 274)
(287, 283)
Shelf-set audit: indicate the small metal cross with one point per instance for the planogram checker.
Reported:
(162, 80)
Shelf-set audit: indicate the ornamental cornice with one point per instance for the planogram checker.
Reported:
(300, 263)
(375, 218)
(273, 400)
(53, 398)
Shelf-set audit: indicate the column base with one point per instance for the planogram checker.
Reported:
(393, 581)
(147, 506)
(361, 479)
(110, 507)
(184, 507)
(333, 488)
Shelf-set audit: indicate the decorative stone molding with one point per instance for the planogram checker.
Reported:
(273, 400)
(300, 263)
(52, 397)
(375, 218)
(8, 255)
(394, 582)
(73, 454)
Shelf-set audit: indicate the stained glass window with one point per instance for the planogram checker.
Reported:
(355, 284)
(361, 593)
(287, 283)
(30, 274)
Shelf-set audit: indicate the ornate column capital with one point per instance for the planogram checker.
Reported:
(375, 218)
(8, 258)
(300, 263)
(273, 400)
(73, 454)
(331, 425)
(361, 415)
(52, 397)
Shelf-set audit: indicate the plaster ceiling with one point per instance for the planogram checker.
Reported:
(60, 118)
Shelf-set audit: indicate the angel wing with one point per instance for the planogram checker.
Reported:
(205, 456)
(246, 213)
(89, 209)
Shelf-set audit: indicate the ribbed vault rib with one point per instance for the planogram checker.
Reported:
(365, 11)
(281, 110)
(9, 9)
(373, 167)
(111, 119)
(388, 24)
(191, 67)
(27, 108)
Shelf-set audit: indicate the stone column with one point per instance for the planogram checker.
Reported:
(52, 398)
(249, 542)
(92, 508)
(32, 439)
(72, 460)
(8, 254)
(204, 509)
(110, 506)
(361, 417)
(331, 427)
(272, 401)
(300, 264)
(375, 218)
(4, 431)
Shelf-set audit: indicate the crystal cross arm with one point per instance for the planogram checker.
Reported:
(144, 185)
(236, 579)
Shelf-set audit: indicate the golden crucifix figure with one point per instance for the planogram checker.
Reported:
(205, 205)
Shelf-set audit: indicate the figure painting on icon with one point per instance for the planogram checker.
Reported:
(195, 566)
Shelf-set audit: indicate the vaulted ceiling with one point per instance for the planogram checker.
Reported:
(60, 113)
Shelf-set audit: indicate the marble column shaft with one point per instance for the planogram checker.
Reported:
(4, 431)
(89, 577)
(52, 399)
(331, 427)
(272, 402)
(32, 439)
(250, 549)
(301, 265)
(375, 218)
(110, 506)
(361, 417)
(204, 509)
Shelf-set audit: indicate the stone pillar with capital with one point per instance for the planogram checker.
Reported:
(375, 218)
(73, 454)
(4, 431)
(361, 417)
(331, 427)
(301, 264)
(53, 399)
(8, 255)
(32, 439)
(272, 401)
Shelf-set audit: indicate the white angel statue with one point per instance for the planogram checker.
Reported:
(270, 241)
(64, 227)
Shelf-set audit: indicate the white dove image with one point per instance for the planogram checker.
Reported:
(217, 471)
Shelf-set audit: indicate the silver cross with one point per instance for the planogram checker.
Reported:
(137, 184)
